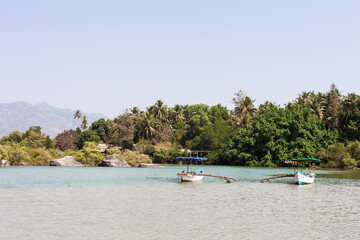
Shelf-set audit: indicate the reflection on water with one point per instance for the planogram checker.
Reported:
(341, 174)
(113, 203)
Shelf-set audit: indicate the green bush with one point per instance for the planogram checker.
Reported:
(3, 153)
(349, 162)
(40, 157)
(53, 153)
(113, 151)
(142, 144)
(338, 155)
(354, 150)
(132, 158)
(69, 152)
(161, 155)
(18, 155)
(90, 155)
(149, 150)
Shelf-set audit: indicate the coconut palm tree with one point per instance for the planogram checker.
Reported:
(265, 106)
(332, 109)
(77, 114)
(317, 104)
(306, 99)
(84, 123)
(135, 111)
(245, 111)
(159, 110)
(143, 126)
(177, 113)
(349, 106)
(303, 99)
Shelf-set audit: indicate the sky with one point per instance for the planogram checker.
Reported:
(106, 56)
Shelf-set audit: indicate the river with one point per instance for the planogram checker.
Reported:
(136, 203)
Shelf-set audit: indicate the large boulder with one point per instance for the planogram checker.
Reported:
(113, 161)
(67, 161)
(102, 147)
(4, 163)
(150, 165)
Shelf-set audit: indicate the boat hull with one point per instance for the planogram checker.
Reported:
(301, 179)
(191, 178)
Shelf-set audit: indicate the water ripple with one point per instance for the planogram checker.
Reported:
(157, 207)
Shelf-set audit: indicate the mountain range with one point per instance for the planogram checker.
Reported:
(52, 120)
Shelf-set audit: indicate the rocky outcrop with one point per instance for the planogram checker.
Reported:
(4, 163)
(102, 147)
(113, 161)
(150, 165)
(67, 161)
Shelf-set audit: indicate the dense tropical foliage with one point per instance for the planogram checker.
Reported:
(323, 125)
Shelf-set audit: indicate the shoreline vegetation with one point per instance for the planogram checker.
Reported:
(314, 125)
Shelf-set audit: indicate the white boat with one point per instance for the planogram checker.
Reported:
(301, 178)
(189, 175)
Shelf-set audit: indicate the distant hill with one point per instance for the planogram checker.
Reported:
(21, 115)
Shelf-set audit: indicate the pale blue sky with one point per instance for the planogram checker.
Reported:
(104, 56)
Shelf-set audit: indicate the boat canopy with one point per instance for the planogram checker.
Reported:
(191, 158)
(295, 160)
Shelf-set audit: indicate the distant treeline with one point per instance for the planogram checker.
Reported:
(321, 125)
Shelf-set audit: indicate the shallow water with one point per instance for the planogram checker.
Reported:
(134, 203)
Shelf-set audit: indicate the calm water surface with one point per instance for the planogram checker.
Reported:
(123, 203)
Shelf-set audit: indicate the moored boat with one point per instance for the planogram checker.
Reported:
(300, 178)
(189, 175)
(306, 176)
(193, 160)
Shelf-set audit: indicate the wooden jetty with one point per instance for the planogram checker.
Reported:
(228, 179)
(275, 177)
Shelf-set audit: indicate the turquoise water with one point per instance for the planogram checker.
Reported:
(140, 203)
(34, 177)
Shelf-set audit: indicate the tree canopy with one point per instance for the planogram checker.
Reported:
(314, 124)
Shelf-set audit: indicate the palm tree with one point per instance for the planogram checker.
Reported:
(143, 126)
(178, 113)
(332, 109)
(77, 114)
(305, 99)
(159, 110)
(245, 111)
(349, 106)
(135, 110)
(265, 106)
(302, 98)
(84, 123)
(317, 104)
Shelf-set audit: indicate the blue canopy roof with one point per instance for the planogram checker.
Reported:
(191, 158)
